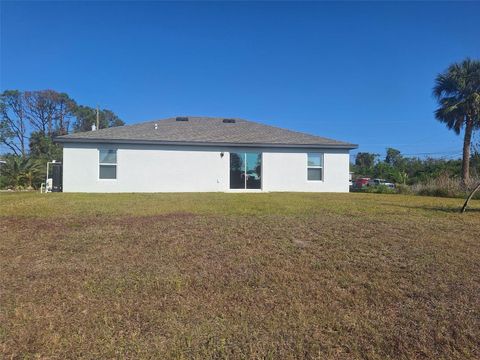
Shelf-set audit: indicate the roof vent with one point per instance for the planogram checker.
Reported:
(181, 118)
(229, 121)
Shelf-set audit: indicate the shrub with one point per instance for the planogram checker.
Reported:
(20, 173)
(380, 189)
(445, 186)
(442, 186)
(404, 189)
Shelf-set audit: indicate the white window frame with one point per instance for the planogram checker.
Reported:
(108, 164)
(321, 167)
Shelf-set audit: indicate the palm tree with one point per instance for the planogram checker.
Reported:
(457, 91)
(31, 172)
(22, 172)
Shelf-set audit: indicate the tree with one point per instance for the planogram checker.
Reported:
(49, 112)
(87, 116)
(31, 173)
(22, 172)
(13, 129)
(393, 157)
(365, 159)
(470, 196)
(64, 112)
(457, 91)
(399, 165)
(43, 147)
(110, 118)
(29, 121)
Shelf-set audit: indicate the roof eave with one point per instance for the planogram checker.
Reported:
(346, 146)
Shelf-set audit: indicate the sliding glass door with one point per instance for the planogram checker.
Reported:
(245, 170)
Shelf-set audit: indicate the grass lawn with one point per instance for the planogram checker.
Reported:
(238, 276)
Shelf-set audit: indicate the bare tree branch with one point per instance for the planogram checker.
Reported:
(13, 123)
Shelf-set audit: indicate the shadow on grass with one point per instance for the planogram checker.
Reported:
(439, 208)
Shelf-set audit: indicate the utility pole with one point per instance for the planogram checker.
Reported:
(98, 118)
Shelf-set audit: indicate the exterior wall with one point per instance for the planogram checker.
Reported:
(287, 171)
(151, 168)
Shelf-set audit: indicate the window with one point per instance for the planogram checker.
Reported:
(108, 164)
(315, 167)
(245, 170)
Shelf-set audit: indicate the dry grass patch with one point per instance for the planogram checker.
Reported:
(280, 276)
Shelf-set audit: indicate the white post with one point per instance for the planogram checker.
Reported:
(46, 179)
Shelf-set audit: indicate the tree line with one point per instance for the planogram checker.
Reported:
(30, 120)
(401, 169)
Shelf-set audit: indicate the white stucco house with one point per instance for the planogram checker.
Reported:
(203, 154)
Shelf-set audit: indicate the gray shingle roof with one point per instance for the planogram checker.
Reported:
(204, 131)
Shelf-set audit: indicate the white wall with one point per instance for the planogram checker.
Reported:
(152, 168)
(287, 171)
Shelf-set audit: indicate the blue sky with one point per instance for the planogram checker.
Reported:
(360, 72)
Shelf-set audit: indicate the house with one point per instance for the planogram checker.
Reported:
(203, 154)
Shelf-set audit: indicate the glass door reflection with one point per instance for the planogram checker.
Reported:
(245, 170)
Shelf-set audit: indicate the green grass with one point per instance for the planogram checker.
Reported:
(238, 276)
